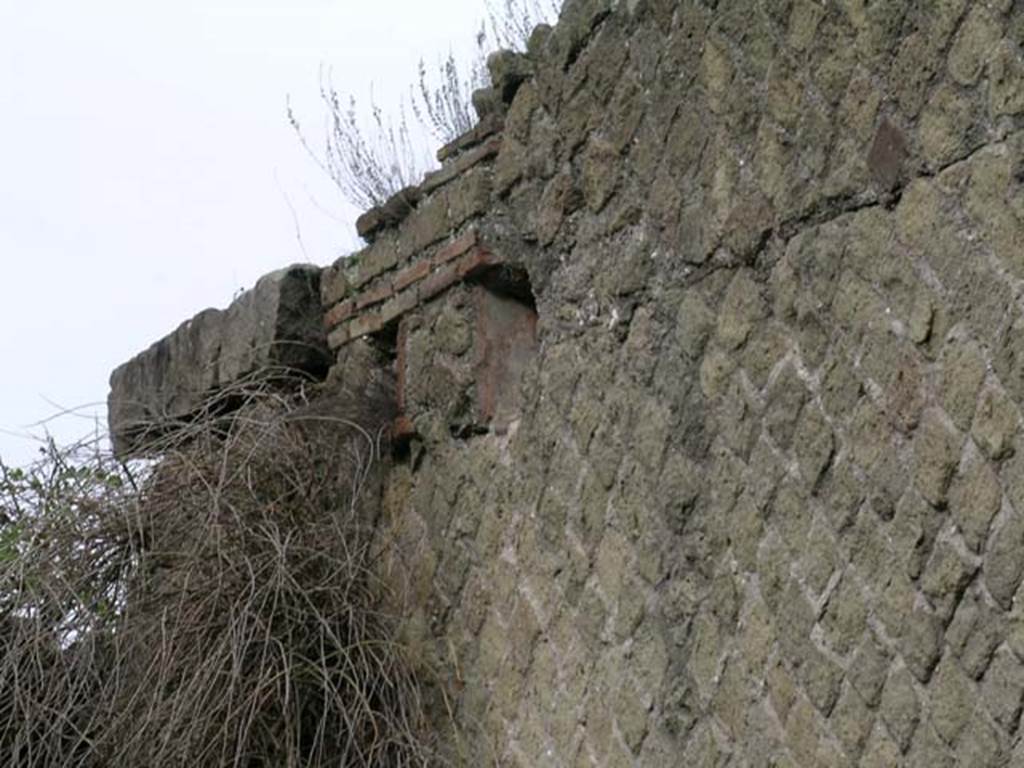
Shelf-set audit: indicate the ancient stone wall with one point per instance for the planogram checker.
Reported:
(710, 357)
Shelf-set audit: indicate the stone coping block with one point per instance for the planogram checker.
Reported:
(278, 324)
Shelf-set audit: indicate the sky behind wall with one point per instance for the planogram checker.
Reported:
(147, 170)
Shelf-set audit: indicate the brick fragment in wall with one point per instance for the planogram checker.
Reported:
(469, 196)
(439, 280)
(339, 337)
(455, 248)
(412, 274)
(334, 284)
(475, 261)
(401, 353)
(363, 325)
(373, 260)
(506, 338)
(425, 227)
(398, 305)
(341, 311)
(375, 294)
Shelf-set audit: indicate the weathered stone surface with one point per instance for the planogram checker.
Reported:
(936, 454)
(278, 324)
(757, 498)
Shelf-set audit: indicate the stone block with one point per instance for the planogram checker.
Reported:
(425, 227)
(469, 196)
(1003, 689)
(945, 578)
(1004, 562)
(945, 125)
(508, 71)
(851, 721)
(963, 372)
(372, 261)
(1006, 81)
(974, 499)
(278, 324)
(460, 165)
(979, 34)
(921, 644)
(868, 669)
(334, 284)
(900, 707)
(995, 426)
(951, 701)
(936, 455)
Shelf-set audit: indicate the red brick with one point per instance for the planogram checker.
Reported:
(410, 275)
(488, 126)
(364, 324)
(339, 337)
(476, 260)
(402, 429)
(506, 342)
(339, 312)
(378, 293)
(398, 306)
(438, 281)
(455, 248)
(401, 353)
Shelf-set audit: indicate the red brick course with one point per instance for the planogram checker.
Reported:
(378, 293)
(475, 261)
(339, 337)
(398, 306)
(455, 248)
(339, 312)
(410, 275)
(364, 325)
(359, 315)
(440, 279)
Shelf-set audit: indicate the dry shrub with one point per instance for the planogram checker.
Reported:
(512, 22)
(368, 157)
(371, 154)
(215, 607)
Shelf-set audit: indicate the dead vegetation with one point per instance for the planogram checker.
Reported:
(215, 607)
(372, 154)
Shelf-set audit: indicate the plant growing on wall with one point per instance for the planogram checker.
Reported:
(372, 159)
(512, 22)
(442, 99)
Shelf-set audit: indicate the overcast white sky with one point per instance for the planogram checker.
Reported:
(145, 162)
